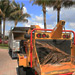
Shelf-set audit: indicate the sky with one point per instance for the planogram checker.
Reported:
(67, 14)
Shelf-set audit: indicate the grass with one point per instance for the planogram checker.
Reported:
(4, 46)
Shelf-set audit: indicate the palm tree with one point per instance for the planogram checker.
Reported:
(0, 23)
(6, 10)
(19, 17)
(17, 14)
(0, 28)
(58, 4)
(1, 15)
(43, 3)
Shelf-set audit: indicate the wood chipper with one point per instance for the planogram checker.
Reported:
(48, 52)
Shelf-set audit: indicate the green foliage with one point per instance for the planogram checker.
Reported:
(3, 45)
(41, 2)
(17, 14)
(68, 3)
(5, 8)
(14, 10)
(58, 4)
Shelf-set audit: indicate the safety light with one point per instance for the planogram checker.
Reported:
(39, 35)
(43, 35)
(66, 36)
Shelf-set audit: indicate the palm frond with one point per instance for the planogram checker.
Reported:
(22, 6)
(15, 13)
(68, 3)
(26, 15)
(25, 20)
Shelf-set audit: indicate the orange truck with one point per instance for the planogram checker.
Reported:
(39, 57)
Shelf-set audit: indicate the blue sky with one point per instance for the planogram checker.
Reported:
(31, 9)
(37, 16)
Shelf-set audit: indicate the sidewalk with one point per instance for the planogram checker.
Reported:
(7, 65)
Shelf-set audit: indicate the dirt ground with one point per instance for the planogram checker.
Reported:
(7, 65)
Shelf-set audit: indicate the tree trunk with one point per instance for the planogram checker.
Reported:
(44, 20)
(3, 30)
(58, 12)
(58, 15)
(44, 14)
(0, 29)
(15, 23)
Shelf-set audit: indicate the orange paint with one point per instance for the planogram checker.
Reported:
(73, 54)
(57, 68)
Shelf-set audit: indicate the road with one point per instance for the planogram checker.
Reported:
(7, 65)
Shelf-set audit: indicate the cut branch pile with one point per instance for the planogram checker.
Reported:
(55, 55)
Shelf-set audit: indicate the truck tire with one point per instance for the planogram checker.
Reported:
(21, 71)
(25, 71)
(10, 51)
(12, 55)
(30, 71)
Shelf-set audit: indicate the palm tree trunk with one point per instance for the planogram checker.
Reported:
(44, 14)
(0, 29)
(44, 20)
(58, 15)
(15, 23)
(3, 30)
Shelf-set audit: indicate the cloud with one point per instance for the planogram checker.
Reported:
(50, 11)
(33, 23)
(52, 14)
(65, 14)
(9, 23)
(38, 20)
(71, 25)
(68, 14)
(24, 10)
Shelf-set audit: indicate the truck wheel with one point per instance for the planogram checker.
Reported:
(21, 71)
(10, 51)
(25, 71)
(30, 71)
(12, 55)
